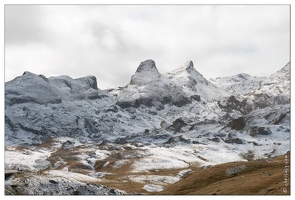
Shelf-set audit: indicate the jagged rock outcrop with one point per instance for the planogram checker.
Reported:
(150, 88)
(193, 83)
(146, 73)
(45, 184)
(238, 84)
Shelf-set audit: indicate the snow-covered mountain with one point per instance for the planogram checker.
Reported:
(194, 84)
(145, 74)
(150, 88)
(238, 84)
(276, 88)
(38, 108)
(171, 120)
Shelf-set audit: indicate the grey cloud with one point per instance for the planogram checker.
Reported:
(109, 41)
(23, 24)
(244, 49)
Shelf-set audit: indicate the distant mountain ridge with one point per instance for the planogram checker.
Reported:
(39, 108)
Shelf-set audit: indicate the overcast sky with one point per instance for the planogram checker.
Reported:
(110, 41)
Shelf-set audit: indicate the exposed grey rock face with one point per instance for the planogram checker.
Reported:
(145, 73)
(238, 84)
(150, 88)
(46, 184)
(193, 83)
(38, 108)
(147, 66)
(177, 140)
(38, 89)
(30, 88)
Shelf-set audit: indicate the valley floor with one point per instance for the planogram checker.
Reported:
(65, 168)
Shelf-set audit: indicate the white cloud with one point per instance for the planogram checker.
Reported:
(109, 41)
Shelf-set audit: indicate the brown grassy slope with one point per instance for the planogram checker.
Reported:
(260, 177)
(119, 179)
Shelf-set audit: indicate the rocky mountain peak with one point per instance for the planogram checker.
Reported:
(88, 82)
(193, 82)
(244, 76)
(286, 69)
(145, 73)
(189, 65)
(147, 66)
(186, 67)
(27, 73)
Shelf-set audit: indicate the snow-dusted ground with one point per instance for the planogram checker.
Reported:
(33, 160)
(72, 176)
(57, 183)
(148, 158)
(156, 183)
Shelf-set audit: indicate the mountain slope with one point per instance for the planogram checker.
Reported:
(150, 88)
(251, 178)
(146, 73)
(38, 108)
(238, 84)
(276, 88)
(193, 83)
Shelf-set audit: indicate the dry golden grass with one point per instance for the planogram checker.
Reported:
(260, 177)
(78, 166)
(47, 144)
(119, 179)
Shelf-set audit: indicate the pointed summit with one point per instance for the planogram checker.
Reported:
(189, 65)
(187, 69)
(147, 65)
(145, 73)
(193, 83)
(278, 84)
(27, 73)
(286, 69)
